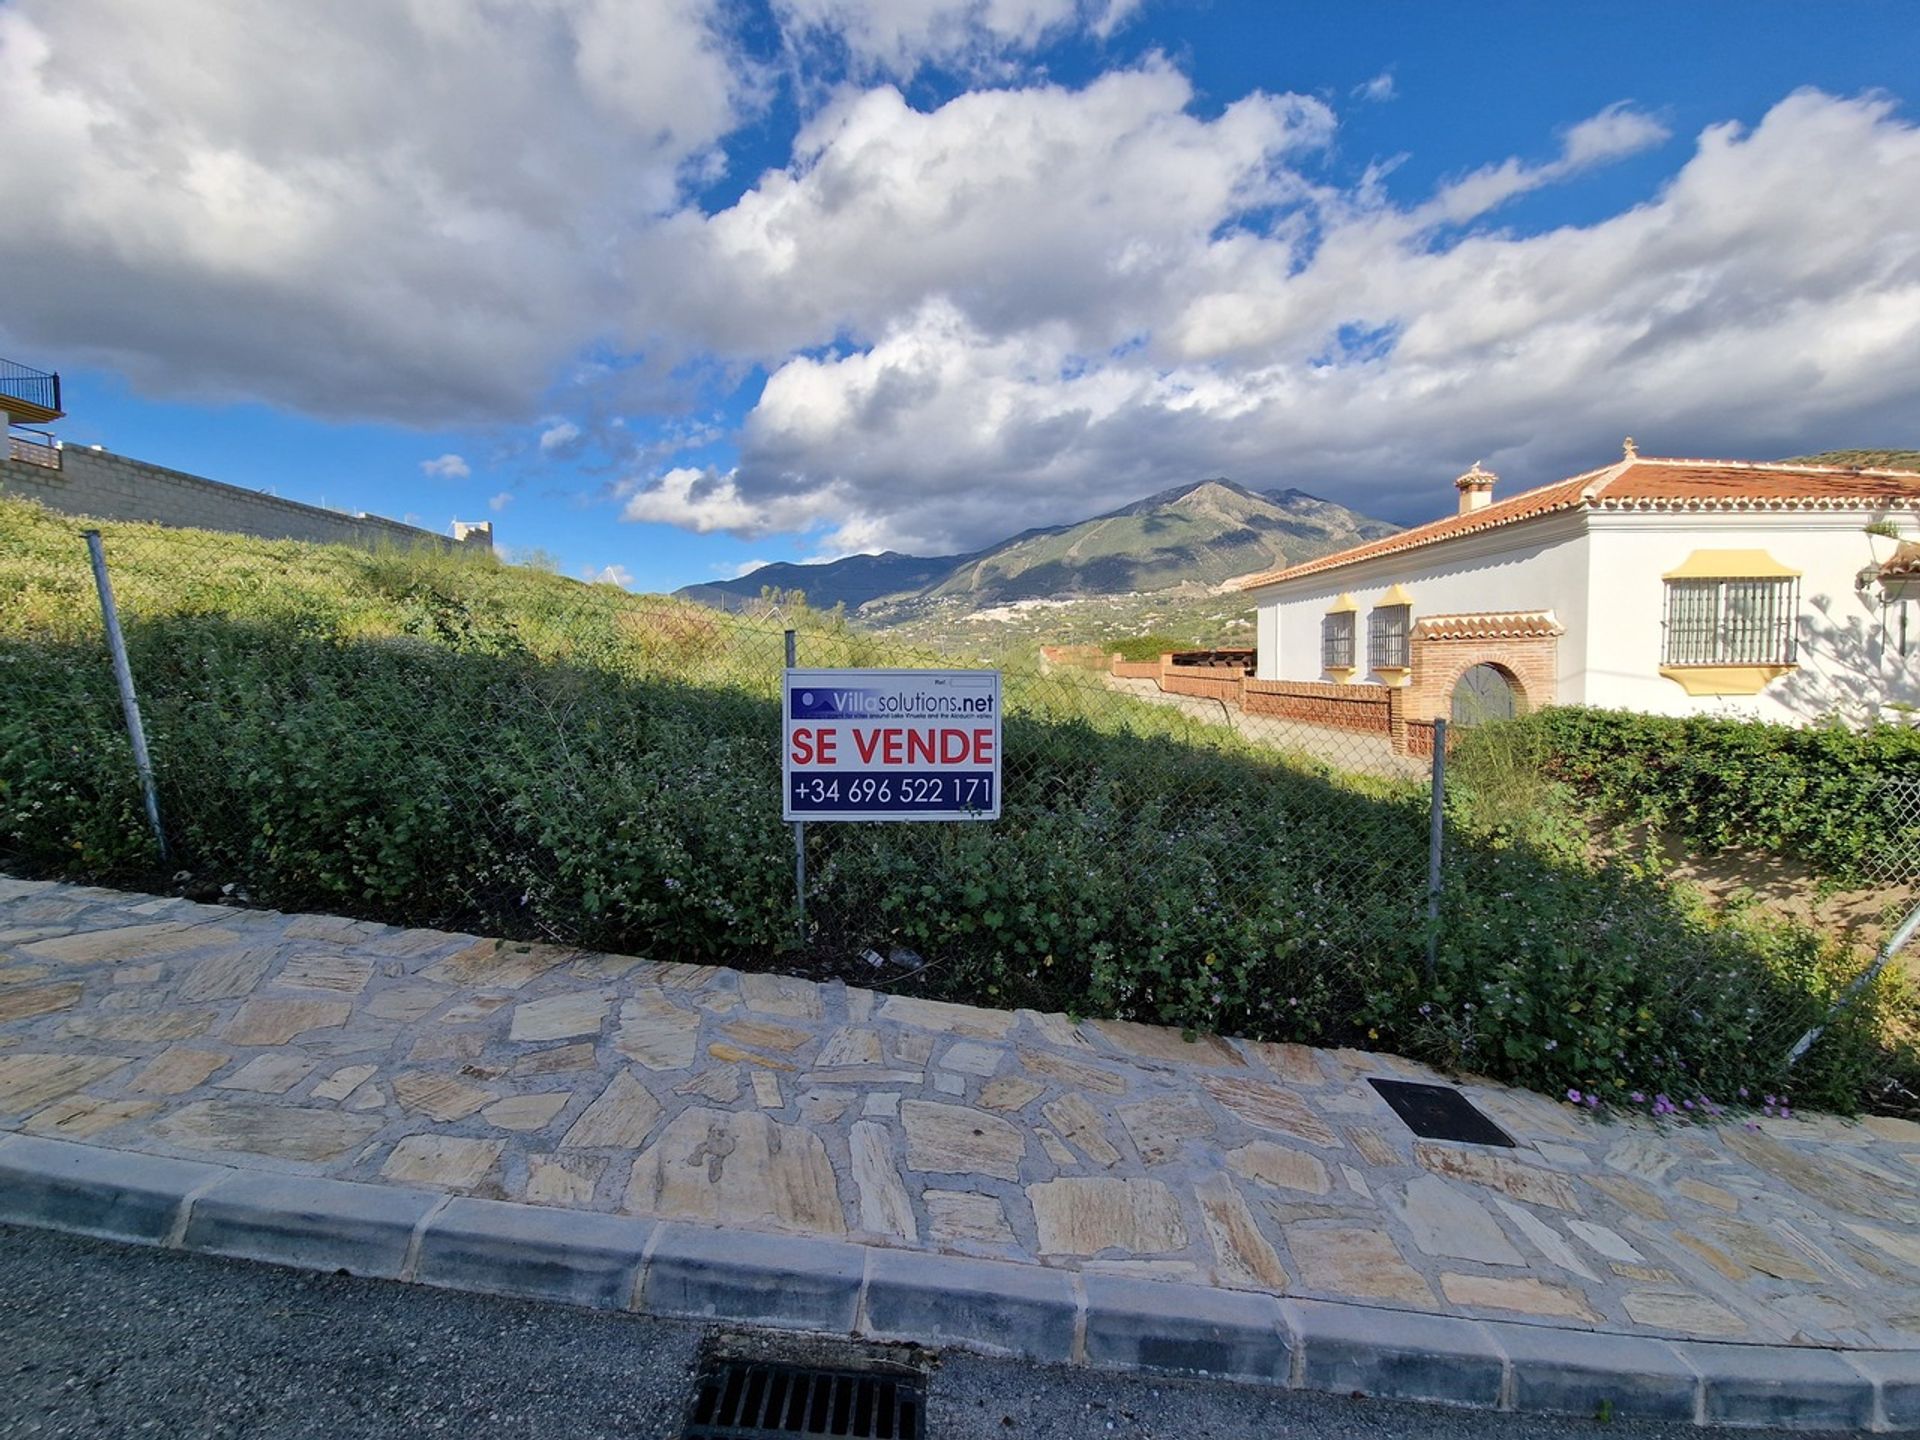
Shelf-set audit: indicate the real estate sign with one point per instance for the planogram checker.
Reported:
(891, 745)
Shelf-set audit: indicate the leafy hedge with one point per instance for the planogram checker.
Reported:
(1814, 793)
(428, 740)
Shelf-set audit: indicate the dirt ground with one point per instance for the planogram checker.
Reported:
(1861, 917)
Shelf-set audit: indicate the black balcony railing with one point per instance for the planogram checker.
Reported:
(35, 387)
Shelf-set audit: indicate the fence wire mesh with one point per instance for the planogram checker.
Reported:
(1895, 860)
(444, 739)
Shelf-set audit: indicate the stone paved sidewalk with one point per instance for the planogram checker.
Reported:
(320, 1046)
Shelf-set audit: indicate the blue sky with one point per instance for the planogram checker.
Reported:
(686, 285)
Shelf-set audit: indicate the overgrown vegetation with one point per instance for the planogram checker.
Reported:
(446, 740)
(1816, 793)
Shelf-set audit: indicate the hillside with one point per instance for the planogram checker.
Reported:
(850, 582)
(1863, 459)
(1196, 535)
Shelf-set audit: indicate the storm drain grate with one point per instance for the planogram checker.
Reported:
(1440, 1112)
(749, 1400)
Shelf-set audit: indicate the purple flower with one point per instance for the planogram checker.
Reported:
(1638, 1098)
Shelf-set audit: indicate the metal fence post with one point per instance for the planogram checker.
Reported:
(799, 834)
(1436, 840)
(123, 677)
(1895, 944)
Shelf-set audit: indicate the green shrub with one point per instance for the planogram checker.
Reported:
(444, 740)
(1813, 792)
(1145, 648)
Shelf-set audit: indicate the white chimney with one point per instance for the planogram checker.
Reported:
(1476, 489)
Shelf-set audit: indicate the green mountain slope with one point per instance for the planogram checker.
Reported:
(1194, 535)
(851, 582)
(1863, 459)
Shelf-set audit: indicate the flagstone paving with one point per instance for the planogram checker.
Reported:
(322, 1046)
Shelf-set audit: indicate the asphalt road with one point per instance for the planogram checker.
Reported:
(101, 1340)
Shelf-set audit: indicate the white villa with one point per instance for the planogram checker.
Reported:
(1771, 591)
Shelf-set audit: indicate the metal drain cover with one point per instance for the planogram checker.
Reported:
(754, 1400)
(1440, 1112)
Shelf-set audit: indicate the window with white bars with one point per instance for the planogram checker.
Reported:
(1732, 622)
(1387, 630)
(1336, 641)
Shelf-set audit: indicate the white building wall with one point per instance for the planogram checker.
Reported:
(1601, 574)
(1849, 658)
(1532, 565)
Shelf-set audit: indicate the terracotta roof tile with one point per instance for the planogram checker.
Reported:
(1635, 483)
(1502, 625)
(1905, 561)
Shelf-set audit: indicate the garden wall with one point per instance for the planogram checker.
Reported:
(107, 486)
(1363, 709)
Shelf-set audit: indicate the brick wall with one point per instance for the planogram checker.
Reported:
(1219, 684)
(1532, 663)
(1367, 708)
(1074, 657)
(1419, 739)
(107, 486)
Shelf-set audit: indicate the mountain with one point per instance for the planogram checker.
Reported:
(850, 582)
(1194, 535)
(1863, 459)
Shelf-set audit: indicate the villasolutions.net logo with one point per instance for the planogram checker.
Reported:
(847, 703)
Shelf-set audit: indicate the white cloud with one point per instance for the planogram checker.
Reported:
(1617, 131)
(898, 37)
(1018, 306)
(609, 575)
(1377, 90)
(1009, 202)
(744, 567)
(500, 502)
(446, 467)
(384, 208)
(1726, 314)
(706, 501)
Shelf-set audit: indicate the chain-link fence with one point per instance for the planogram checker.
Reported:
(438, 739)
(1895, 858)
(443, 739)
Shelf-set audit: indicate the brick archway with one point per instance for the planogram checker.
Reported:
(1524, 647)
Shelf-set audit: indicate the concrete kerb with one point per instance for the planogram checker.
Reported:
(834, 1287)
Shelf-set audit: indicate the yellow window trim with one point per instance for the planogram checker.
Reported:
(1731, 565)
(1396, 596)
(1724, 679)
(1343, 671)
(1343, 606)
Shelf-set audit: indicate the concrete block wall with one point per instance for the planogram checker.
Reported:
(106, 486)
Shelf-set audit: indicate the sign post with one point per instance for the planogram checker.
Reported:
(891, 745)
(799, 841)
